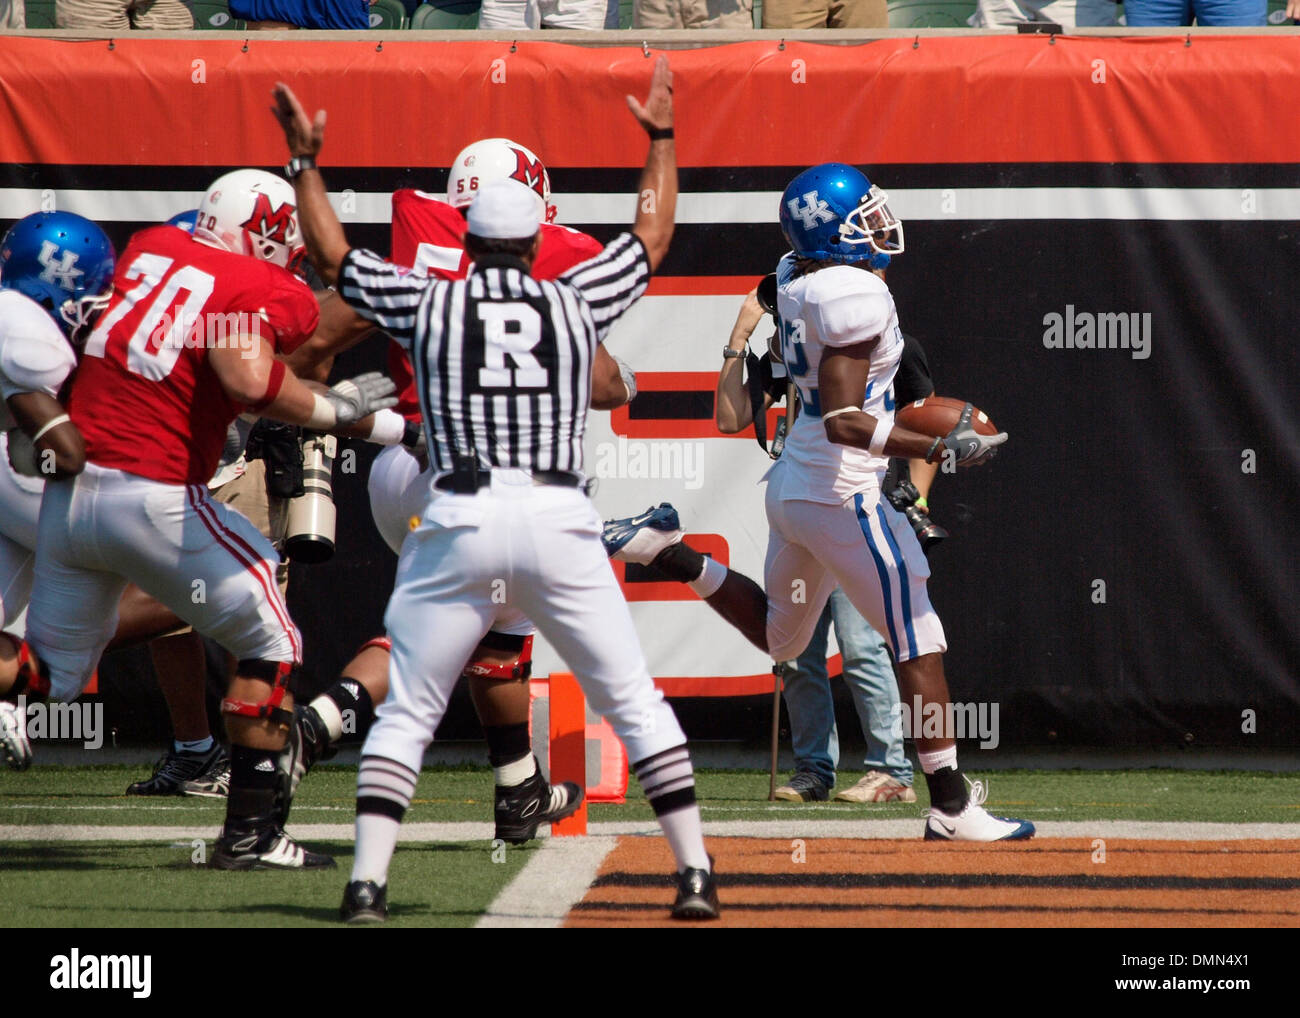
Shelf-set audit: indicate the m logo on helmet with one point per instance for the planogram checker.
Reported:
(62, 271)
(815, 210)
(529, 171)
(273, 224)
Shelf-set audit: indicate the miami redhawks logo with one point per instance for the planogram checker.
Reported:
(530, 172)
(273, 224)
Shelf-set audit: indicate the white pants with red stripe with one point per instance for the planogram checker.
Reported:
(20, 506)
(203, 560)
(864, 546)
(398, 494)
(512, 547)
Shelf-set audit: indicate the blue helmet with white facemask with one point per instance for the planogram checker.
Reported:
(62, 261)
(832, 212)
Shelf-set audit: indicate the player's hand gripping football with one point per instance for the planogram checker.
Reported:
(304, 137)
(970, 447)
(361, 396)
(657, 113)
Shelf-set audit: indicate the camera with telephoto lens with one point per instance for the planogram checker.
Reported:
(309, 536)
(904, 498)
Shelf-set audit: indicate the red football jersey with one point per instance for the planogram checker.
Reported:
(145, 397)
(429, 235)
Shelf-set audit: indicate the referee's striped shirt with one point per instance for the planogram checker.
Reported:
(502, 360)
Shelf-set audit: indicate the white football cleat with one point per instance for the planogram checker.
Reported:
(15, 746)
(640, 538)
(975, 823)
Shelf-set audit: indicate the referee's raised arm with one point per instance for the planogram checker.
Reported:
(657, 195)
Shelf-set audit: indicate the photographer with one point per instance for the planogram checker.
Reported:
(866, 664)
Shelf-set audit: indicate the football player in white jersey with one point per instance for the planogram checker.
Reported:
(55, 271)
(829, 524)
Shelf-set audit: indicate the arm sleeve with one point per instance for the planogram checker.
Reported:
(612, 282)
(383, 293)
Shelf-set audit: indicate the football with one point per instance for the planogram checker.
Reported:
(937, 416)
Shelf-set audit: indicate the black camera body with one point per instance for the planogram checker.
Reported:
(904, 498)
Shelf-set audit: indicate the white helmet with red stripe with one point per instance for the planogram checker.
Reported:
(252, 212)
(494, 159)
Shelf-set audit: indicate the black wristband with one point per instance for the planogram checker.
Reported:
(660, 133)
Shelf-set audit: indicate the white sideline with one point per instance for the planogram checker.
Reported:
(787, 827)
(554, 880)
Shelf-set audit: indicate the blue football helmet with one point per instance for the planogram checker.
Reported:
(832, 212)
(185, 220)
(62, 261)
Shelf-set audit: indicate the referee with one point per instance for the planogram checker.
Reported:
(503, 366)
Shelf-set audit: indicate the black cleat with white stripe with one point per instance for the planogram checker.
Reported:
(257, 843)
(521, 809)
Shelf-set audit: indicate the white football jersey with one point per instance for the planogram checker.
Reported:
(833, 307)
(34, 355)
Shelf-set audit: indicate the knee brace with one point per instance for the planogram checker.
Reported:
(519, 669)
(277, 674)
(31, 679)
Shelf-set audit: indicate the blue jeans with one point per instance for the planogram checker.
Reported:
(1151, 13)
(870, 677)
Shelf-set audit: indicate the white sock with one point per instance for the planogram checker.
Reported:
(329, 713)
(194, 746)
(511, 774)
(685, 837)
(938, 760)
(710, 578)
(376, 840)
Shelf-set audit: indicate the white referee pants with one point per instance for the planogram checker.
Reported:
(203, 560)
(399, 493)
(20, 507)
(513, 546)
(866, 547)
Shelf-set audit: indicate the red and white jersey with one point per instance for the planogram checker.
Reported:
(34, 356)
(429, 236)
(145, 397)
(834, 307)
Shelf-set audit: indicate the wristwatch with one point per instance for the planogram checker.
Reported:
(297, 164)
(728, 353)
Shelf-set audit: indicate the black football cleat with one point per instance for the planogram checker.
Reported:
(364, 901)
(176, 771)
(697, 895)
(521, 809)
(256, 843)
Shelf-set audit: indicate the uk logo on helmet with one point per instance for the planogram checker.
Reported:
(273, 224)
(529, 171)
(60, 271)
(813, 212)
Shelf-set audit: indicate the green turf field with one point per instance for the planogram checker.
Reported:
(94, 795)
(159, 881)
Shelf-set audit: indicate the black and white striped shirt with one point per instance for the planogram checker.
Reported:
(502, 360)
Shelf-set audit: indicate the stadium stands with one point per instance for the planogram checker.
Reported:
(446, 14)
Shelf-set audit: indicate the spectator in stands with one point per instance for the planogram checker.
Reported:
(1208, 13)
(738, 14)
(11, 14)
(123, 15)
(276, 15)
(517, 15)
(825, 14)
(1066, 13)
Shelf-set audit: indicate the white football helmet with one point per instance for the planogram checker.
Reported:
(252, 212)
(497, 159)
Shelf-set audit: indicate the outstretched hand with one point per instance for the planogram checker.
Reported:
(657, 113)
(304, 137)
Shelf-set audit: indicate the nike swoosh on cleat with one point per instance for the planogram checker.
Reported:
(950, 830)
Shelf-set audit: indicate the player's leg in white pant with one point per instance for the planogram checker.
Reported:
(797, 586)
(17, 566)
(397, 491)
(564, 582)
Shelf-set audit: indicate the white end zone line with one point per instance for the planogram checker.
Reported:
(555, 879)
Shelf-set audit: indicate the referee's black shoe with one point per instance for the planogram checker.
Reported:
(521, 809)
(364, 901)
(697, 894)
